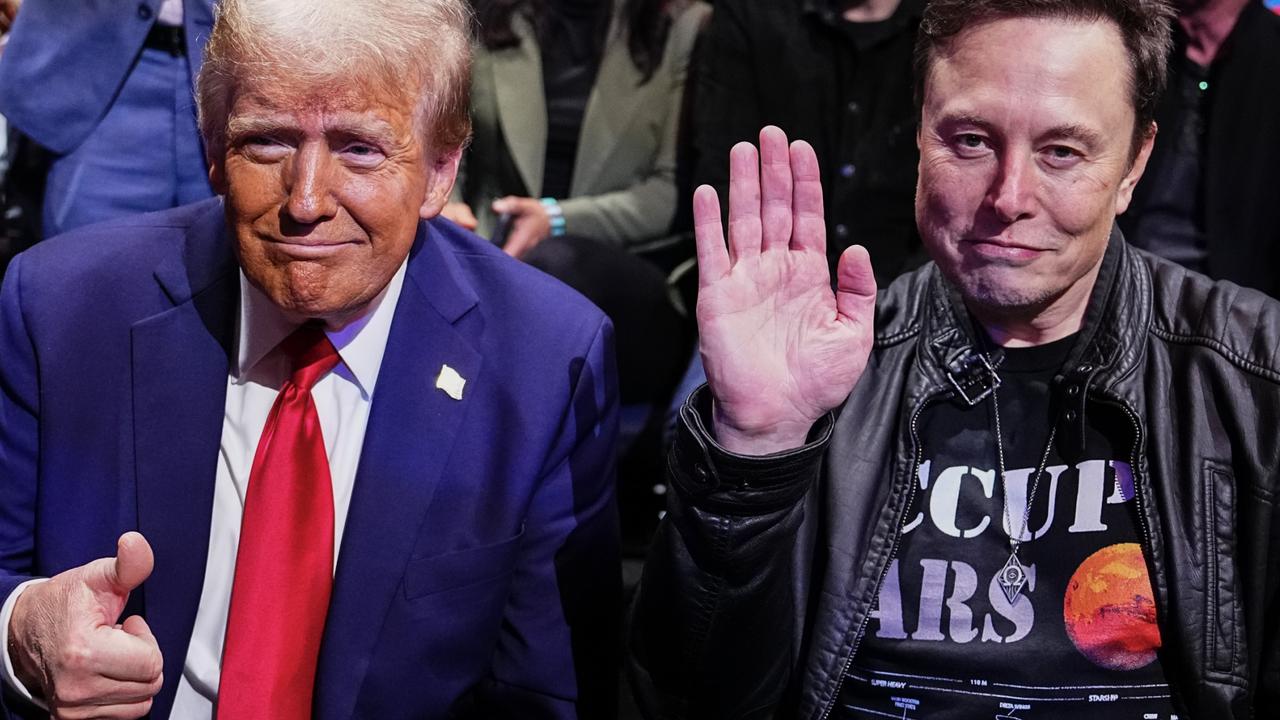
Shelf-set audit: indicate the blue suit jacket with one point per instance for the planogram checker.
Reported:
(66, 60)
(478, 573)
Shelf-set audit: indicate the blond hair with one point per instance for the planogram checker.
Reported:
(412, 46)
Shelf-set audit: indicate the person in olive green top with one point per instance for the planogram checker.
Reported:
(576, 106)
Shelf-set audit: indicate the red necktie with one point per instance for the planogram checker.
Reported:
(284, 567)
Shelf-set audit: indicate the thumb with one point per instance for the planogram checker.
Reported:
(855, 286)
(133, 563)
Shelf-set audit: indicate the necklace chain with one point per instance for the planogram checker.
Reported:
(1015, 539)
(1013, 575)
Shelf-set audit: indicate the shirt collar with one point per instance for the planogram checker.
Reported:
(360, 344)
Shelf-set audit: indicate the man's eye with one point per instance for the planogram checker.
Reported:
(1063, 156)
(361, 150)
(262, 147)
(970, 145)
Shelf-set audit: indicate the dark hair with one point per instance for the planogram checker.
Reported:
(645, 22)
(1145, 26)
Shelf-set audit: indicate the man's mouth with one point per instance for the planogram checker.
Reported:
(1001, 250)
(309, 248)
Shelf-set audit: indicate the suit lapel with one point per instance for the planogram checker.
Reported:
(180, 362)
(411, 431)
(610, 109)
(522, 105)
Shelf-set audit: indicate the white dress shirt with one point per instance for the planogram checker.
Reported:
(342, 397)
(170, 12)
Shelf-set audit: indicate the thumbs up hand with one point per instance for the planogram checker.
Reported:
(67, 648)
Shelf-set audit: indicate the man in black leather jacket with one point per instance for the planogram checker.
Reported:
(841, 490)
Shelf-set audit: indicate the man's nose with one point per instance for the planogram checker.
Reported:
(1013, 189)
(309, 184)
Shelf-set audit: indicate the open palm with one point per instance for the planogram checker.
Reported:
(780, 347)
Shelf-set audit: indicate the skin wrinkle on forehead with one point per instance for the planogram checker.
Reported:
(368, 125)
(947, 49)
(351, 86)
(1054, 83)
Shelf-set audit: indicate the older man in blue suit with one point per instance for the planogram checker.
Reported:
(304, 450)
(105, 86)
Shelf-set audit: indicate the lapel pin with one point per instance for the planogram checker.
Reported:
(450, 382)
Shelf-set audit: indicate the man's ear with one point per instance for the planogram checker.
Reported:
(1124, 194)
(217, 171)
(440, 178)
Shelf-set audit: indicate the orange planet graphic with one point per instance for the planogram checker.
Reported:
(1110, 611)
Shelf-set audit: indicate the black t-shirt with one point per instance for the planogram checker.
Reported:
(944, 641)
(1172, 224)
(571, 45)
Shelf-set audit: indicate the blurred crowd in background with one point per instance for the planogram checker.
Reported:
(594, 121)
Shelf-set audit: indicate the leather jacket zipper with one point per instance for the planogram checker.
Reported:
(917, 451)
(1144, 526)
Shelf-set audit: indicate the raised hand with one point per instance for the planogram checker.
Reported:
(779, 346)
(67, 649)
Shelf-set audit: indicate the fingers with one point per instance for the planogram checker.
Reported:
(713, 256)
(460, 213)
(526, 232)
(519, 242)
(810, 227)
(124, 656)
(137, 626)
(775, 202)
(515, 205)
(530, 223)
(505, 205)
(133, 564)
(744, 202)
(775, 189)
(855, 286)
(103, 712)
(106, 672)
(102, 691)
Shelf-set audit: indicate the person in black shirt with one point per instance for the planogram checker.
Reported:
(1033, 479)
(838, 75)
(1208, 198)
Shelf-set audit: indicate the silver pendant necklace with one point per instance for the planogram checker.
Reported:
(1013, 576)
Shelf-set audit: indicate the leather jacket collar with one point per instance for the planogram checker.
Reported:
(1109, 345)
